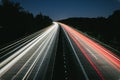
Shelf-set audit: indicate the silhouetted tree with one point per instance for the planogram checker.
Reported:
(41, 20)
(15, 22)
(114, 23)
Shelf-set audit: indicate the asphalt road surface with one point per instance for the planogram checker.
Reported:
(58, 52)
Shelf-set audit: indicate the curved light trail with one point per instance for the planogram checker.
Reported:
(25, 60)
(58, 52)
(105, 62)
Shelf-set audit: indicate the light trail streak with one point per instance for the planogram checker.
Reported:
(84, 72)
(25, 47)
(88, 58)
(10, 61)
(104, 53)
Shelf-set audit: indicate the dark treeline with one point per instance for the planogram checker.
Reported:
(106, 30)
(16, 22)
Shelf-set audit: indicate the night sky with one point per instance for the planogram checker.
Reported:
(61, 9)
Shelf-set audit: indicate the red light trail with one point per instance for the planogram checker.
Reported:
(104, 53)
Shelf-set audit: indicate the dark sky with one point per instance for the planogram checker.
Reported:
(60, 9)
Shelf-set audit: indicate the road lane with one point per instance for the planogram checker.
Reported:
(79, 61)
(59, 53)
(7, 51)
(31, 44)
(102, 60)
(34, 52)
(31, 62)
(47, 50)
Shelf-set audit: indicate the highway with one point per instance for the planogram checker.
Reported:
(96, 62)
(29, 61)
(58, 52)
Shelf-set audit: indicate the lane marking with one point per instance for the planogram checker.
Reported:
(84, 72)
(14, 58)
